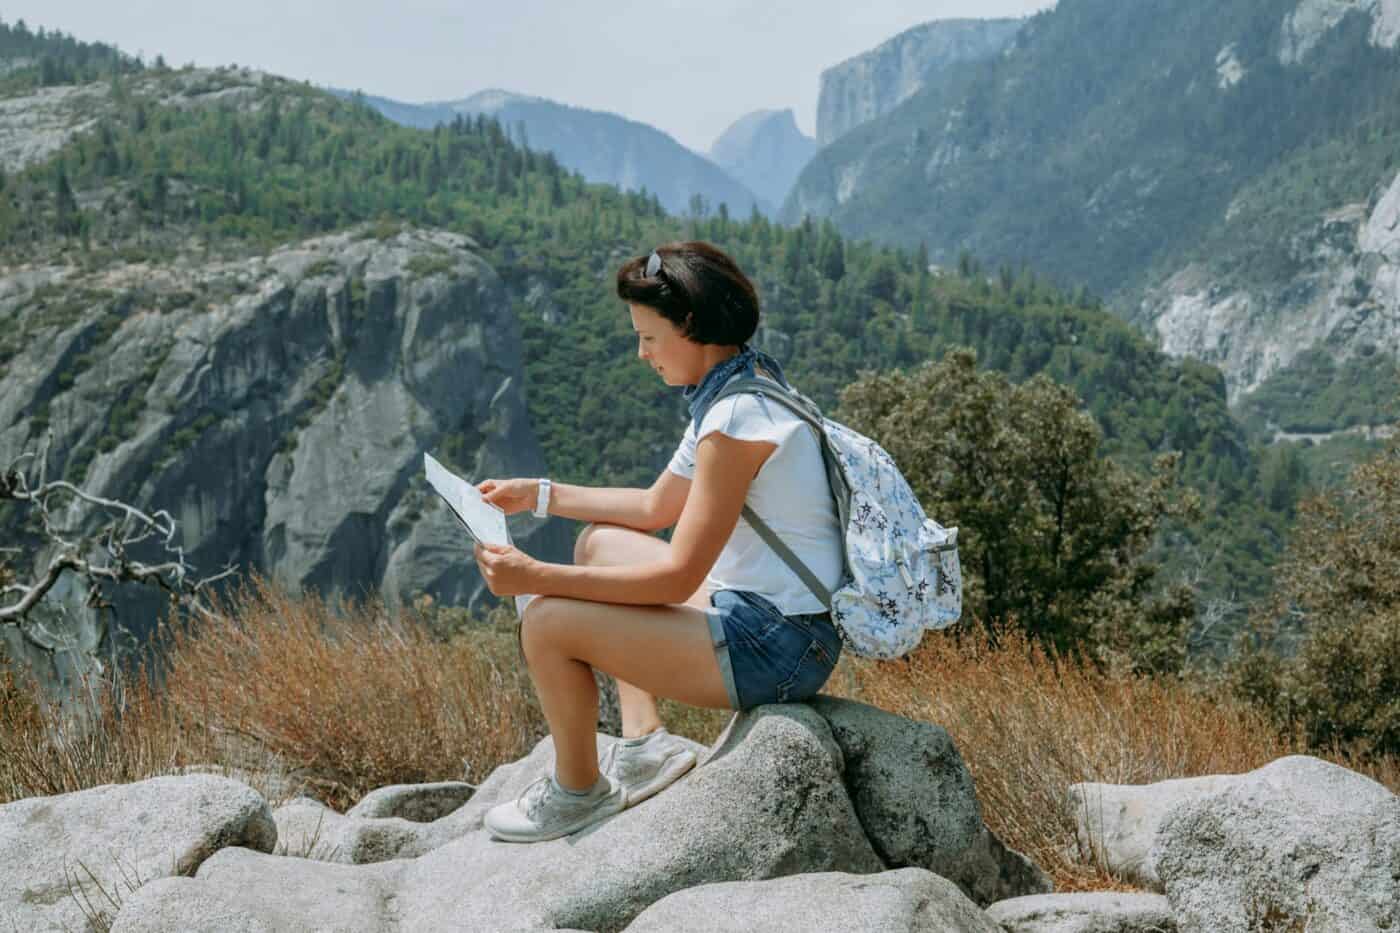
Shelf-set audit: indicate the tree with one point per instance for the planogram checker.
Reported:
(1053, 536)
(69, 220)
(1324, 651)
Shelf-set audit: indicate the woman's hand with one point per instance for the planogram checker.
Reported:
(508, 571)
(510, 495)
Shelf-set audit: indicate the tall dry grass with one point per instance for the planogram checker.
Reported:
(1029, 724)
(341, 700)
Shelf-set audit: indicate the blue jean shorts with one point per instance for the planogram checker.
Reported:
(765, 656)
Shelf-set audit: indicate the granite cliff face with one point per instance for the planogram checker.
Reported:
(1345, 297)
(279, 407)
(875, 82)
(766, 151)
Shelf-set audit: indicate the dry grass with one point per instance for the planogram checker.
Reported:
(1029, 724)
(346, 701)
(282, 686)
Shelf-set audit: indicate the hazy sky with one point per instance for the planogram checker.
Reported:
(689, 69)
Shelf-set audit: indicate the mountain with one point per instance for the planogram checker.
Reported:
(257, 304)
(765, 150)
(1222, 177)
(875, 82)
(602, 147)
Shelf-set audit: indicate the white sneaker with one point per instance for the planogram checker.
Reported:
(647, 767)
(547, 811)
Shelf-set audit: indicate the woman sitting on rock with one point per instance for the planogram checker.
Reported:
(713, 618)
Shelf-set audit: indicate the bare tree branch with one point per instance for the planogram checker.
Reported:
(101, 557)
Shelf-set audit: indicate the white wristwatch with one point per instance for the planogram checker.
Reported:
(542, 503)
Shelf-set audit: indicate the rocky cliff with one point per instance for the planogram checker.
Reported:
(1345, 296)
(279, 407)
(875, 82)
(765, 150)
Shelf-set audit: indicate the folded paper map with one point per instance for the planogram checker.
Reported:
(482, 520)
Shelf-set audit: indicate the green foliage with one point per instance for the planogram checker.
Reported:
(40, 58)
(423, 265)
(1053, 536)
(1316, 394)
(1325, 651)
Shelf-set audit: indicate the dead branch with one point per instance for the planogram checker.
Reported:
(99, 553)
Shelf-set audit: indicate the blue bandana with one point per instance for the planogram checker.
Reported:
(698, 397)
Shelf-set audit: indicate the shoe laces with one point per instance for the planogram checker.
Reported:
(534, 797)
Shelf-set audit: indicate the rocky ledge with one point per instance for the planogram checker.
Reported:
(826, 815)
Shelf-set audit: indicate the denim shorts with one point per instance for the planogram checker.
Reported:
(765, 656)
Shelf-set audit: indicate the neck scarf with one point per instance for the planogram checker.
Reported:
(698, 397)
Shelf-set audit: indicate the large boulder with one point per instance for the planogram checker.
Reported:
(916, 801)
(1297, 844)
(1085, 912)
(767, 801)
(906, 899)
(1116, 824)
(66, 859)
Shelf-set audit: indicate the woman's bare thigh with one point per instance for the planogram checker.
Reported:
(665, 650)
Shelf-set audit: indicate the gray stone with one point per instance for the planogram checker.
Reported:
(917, 804)
(260, 392)
(418, 803)
(1085, 912)
(875, 82)
(909, 899)
(1116, 824)
(765, 802)
(59, 854)
(1299, 843)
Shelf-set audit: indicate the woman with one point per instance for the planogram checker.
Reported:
(714, 618)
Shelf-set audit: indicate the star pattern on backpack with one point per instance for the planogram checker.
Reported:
(921, 590)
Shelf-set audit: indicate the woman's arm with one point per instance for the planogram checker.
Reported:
(724, 468)
(643, 509)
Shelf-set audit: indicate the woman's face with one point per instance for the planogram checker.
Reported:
(680, 362)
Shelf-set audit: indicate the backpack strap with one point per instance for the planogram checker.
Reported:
(789, 558)
(769, 388)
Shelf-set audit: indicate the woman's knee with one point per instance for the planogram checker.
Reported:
(540, 625)
(595, 537)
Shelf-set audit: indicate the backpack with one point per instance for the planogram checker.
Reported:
(901, 572)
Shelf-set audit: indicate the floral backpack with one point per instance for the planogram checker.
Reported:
(902, 573)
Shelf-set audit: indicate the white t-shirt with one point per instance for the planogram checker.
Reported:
(791, 494)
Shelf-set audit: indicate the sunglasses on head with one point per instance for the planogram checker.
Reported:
(653, 264)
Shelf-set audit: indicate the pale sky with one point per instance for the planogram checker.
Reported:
(689, 69)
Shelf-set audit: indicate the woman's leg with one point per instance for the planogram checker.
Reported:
(604, 545)
(656, 650)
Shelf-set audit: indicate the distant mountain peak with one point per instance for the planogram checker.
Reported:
(766, 151)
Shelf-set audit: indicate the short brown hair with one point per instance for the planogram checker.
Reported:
(698, 288)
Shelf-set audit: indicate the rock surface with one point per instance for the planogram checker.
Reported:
(419, 803)
(1116, 824)
(906, 899)
(249, 398)
(1299, 843)
(1345, 296)
(1089, 912)
(766, 151)
(872, 83)
(772, 798)
(917, 803)
(59, 854)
